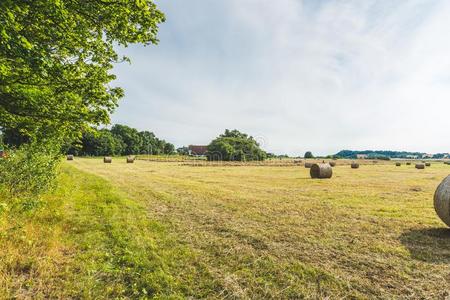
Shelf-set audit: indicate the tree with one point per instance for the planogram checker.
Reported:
(102, 143)
(129, 136)
(148, 142)
(183, 150)
(309, 154)
(56, 57)
(234, 146)
(169, 148)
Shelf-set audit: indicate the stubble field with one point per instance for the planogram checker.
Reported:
(274, 232)
(168, 230)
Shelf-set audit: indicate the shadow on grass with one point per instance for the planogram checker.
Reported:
(430, 245)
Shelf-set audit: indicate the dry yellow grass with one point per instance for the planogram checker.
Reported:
(275, 233)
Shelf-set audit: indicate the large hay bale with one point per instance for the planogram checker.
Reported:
(442, 201)
(70, 157)
(398, 164)
(308, 165)
(408, 163)
(420, 166)
(427, 164)
(332, 164)
(321, 171)
(130, 160)
(107, 159)
(355, 165)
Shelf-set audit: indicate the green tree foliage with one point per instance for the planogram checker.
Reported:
(309, 154)
(30, 169)
(377, 154)
(235, 146)
(153, 145)
(56, 57)
(130, 136)
(183, 150)
(120, 140)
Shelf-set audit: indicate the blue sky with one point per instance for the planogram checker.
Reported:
(298, 75)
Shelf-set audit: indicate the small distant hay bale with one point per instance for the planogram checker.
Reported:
(308, 165)
(332, 164)
(321, 171)
(398, 164)
(420, 166)
(107, 159)
(70, 157)
(354, 165)
(427, 164)
(130, 160)
(408, 163)
(375, 161)
(442, 201)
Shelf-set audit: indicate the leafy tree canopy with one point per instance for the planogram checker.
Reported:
(309, 154)
(235, 146)
(120, 140)
(56, 57)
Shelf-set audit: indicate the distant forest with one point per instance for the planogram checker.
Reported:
(119, 140)
(384, 154)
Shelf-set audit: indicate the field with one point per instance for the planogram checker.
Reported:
(169, 230)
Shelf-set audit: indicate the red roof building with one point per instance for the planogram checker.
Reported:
(197, 150)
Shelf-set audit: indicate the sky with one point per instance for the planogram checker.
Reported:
(310, 75)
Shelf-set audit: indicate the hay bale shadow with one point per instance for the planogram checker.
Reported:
(430, 245)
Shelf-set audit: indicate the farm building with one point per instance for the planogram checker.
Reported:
(361, 156)
(197, 150)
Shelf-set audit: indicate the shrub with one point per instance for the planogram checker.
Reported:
(235, 146)
(29, 170)
(309, 154)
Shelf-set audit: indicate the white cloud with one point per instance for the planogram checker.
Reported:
(302, 75)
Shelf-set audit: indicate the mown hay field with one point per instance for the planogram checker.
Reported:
(172, 231)
(275, 233)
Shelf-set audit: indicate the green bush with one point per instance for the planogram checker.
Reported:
(235, 146)
(29, 170)
(309, 154)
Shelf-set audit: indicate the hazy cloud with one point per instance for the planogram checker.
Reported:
(301, 75)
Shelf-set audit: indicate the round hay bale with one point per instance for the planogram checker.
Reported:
(408, 163)
(107, 159)
(398, 164)
(130, 160)
(332, 164)
(355, 166)
(420, 166)
(70, 157)
(321, 171)
(427, 164)
(308, 165)
(442, 201)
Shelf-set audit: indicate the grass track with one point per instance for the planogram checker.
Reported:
(90, 242)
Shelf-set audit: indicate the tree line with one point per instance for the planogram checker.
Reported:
(119, 140)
